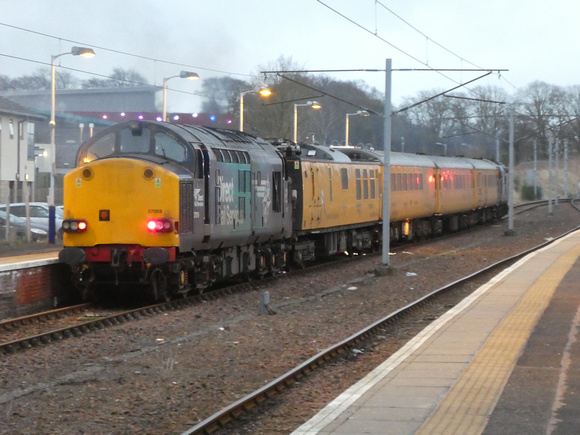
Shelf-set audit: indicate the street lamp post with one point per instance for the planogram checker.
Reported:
(75, 51)
(264, 92)
(184, 75)
(313, 104)
(358, 113)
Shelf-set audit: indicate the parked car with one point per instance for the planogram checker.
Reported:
(18, 229)
(38, 215)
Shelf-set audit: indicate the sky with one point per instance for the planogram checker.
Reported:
(529, 40)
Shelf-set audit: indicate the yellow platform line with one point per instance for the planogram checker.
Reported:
(466, 407)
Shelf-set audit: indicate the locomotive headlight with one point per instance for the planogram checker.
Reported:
(74, 225)
(162, 225)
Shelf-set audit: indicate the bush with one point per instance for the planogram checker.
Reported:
(528, 193)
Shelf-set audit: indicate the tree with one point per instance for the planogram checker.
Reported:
(40, 79)
(570, 120)
(538, 106)
(120, 78)
(222, 94)
(435, 116)
(5, 84)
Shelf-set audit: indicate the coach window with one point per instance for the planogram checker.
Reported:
(344, 178)
(330, 182)
(365, 184)
(372, 181)
(358, 184)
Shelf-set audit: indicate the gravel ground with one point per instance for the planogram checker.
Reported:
(162, 375)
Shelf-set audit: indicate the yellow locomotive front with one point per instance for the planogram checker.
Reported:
(121, 222)
(122, 209)
(121, 201)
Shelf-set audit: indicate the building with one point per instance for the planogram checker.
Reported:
(17, 152)
(79, 113)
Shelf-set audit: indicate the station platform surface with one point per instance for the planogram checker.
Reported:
(506, 360)
(36, 259)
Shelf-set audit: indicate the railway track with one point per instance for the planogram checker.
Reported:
(232, 413)
(216, 353)
(44, 328)
(52, 326)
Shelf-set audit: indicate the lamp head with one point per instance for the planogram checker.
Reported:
(188, 75)
(265, 92)
(82, 51)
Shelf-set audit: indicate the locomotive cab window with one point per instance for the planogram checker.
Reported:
(169, 148)
(103, 147)
(129, 142)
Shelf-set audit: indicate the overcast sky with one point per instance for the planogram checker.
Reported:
(533, 39)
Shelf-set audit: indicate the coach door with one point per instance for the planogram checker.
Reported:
(317, 195)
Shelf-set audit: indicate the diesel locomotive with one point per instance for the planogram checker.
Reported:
(174, 208)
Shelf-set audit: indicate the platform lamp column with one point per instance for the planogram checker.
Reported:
(75, 51)
(313, 104)
(358, 113)
(184, 75)
(264, 92)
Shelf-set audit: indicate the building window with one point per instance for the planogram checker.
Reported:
(30, 139)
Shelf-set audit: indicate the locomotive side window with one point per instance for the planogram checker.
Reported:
(242, 207)
(198, 164)
(242, 181)
(169, 148)
(277, 191)
(130, 142)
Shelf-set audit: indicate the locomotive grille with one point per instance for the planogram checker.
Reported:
(186, 207)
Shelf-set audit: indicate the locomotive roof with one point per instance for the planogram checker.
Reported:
(216, 137)
(316, 152)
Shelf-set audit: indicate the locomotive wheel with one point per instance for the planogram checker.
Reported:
(82, 279)
(87, 294)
